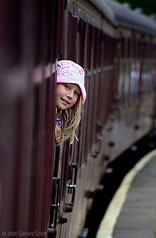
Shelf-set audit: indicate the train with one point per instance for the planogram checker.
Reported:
(47, 190)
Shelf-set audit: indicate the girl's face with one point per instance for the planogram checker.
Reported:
(67, 95)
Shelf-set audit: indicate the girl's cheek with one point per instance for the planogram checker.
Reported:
(75, 101)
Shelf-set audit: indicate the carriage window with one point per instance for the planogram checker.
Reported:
(121, 80)
(135, 77)
(127, 81)
(45, 27)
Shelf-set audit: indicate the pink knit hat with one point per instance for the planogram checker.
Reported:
(70, 72)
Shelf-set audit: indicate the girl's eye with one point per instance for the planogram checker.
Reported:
(76, 93)
(66, 86)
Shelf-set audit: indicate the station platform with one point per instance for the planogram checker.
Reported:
(132, 211)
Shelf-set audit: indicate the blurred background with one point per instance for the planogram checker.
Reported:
(144, 6)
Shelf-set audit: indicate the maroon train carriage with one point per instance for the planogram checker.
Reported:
(117, 48)
(46, 191)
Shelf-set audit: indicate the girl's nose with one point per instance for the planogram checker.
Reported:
(70, 94)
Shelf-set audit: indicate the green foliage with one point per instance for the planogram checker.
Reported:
(148, 6)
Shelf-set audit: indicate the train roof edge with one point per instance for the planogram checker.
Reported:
(120, 15)
(116, 14)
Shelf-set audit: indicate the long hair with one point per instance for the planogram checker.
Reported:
(70, 119)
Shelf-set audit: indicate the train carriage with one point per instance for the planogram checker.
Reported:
(47, 191)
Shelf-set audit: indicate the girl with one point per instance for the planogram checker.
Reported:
(70, 95)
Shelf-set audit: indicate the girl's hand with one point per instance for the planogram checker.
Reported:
(57, 134)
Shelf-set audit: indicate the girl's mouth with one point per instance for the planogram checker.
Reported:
(65, 102)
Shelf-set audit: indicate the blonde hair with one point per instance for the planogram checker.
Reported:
(70, 120)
